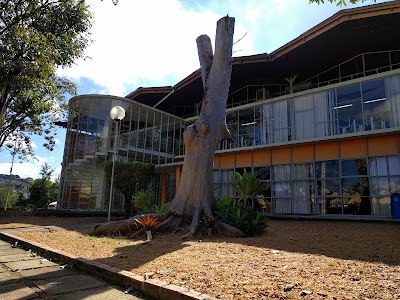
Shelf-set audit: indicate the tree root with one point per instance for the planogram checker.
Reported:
(169, 222)
(228, 230)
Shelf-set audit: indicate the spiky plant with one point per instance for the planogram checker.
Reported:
(247, 186)
(149, 223)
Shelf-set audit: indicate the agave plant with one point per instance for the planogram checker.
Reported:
(247, 186)
(149, 223)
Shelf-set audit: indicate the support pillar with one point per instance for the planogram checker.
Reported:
(178, 172)
(163, 188)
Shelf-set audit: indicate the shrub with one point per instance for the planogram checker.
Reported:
(247, 186)
(246, 219)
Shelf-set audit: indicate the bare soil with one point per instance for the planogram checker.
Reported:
(329, 259)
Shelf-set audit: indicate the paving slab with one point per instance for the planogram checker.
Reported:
(47, 272)
(29, 264)
(65, 284)
(3, 243)
(11, 251)
(17, 291)
(3, 247)
(9, 277)
(16, 257)
(102, 293)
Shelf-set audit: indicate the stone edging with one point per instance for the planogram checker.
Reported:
(151, 287)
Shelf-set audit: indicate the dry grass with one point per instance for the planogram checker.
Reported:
(333, 260)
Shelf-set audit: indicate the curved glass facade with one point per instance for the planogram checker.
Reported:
(146, 135)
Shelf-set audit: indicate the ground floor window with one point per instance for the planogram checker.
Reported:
(346, 186)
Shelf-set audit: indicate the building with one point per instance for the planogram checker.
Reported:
(318, 120)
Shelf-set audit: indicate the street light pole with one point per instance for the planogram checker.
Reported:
(9, 178)
(117, 113)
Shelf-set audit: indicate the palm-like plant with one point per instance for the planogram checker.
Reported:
(247, 186)
(149, 223)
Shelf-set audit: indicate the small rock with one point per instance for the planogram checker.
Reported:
(164, 272)
(305, 293)
(275, 251)
(128, 290)
(148, 275)
(288, 287)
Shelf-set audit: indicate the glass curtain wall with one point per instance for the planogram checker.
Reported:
(365, 106)
(146, 135)
(360, 186)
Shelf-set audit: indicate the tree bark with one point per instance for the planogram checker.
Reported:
(195, 193)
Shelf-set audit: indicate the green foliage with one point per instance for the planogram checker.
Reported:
(10, 194)
(143, 203)
(37, 38)
(43, 191)
(247, 186)
(246, 219)
(340, 2)
(143, 200)
(130, 178)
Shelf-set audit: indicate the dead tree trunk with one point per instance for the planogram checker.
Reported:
(195, 193)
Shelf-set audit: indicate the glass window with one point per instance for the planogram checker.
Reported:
(246, 127)
(281, 172)
(377, 166)
(375, 104)
(394, 165)
(349, 109)
(379, 186)
(263, 173)
(394, 185)
(354, 167)
(302, 171)
(329, 187)
(327, 169)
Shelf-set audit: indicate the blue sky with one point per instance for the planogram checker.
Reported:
(152, 43)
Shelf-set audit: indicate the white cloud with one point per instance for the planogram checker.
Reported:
(24, 170)
(135, 42)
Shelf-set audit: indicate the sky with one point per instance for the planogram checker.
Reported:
(153, 43)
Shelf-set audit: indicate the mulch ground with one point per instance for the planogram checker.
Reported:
(291, 260)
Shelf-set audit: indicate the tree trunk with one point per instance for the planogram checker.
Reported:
(194, 196)
(195, 193)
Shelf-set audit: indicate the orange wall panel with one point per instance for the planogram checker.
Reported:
(262, 157)
(326, 151)
(244, 159)
(281, 156)
(227, 161)
(217, 161)
(353, 148)
(303, 153)
(383, 145)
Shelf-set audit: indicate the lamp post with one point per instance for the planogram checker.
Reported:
(117, 113)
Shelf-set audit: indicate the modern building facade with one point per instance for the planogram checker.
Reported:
(318, 120)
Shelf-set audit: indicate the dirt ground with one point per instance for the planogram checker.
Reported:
(291, 260)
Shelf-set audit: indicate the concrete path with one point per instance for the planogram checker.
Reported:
(25, 275)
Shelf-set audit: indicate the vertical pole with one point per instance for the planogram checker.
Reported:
(163, 189)
(178, 177)
(112, 172)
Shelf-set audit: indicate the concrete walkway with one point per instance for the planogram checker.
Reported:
(25, 275)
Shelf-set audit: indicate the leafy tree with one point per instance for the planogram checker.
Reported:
(8, 197)
(36, 38)
(339, 2)
(43, 191)
(130, 178)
